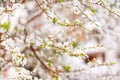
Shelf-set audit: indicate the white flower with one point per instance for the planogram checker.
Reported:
(59, 45)
(9, 44)
(44, 4)
(35, 78)
(30, 39)
(33, 39)
(16, 73)
(75, 10)
(12, 0)
(15, 6)
(18, 58)
(14, 47)
(76, 6)
(19, 43)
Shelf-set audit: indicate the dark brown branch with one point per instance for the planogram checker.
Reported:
(47, 68)
(22, 1)
(34, 17)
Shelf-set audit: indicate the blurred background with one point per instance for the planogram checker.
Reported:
(100, 26)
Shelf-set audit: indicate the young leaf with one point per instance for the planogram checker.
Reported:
(94, 11)
(66, 68)
(112, 63)
(49, 62)
(63, 23)
(61, 0)
(74, 44)
(54, 20)
(75, 23)
(56, 77)
(6, 26)
(31, 55)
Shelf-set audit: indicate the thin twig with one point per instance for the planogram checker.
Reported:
(34, 17)
(59, 23)
(38, 58)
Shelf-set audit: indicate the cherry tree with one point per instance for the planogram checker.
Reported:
(47, 39)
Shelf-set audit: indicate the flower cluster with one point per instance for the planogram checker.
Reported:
(14, 47)
(19, 74)
(35, 48)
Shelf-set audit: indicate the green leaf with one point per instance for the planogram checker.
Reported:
(63, 24)
(54, 20)
(56, 77)
(74, 44)
(12, 52)
(6, 26)
(62, 0)
(40, 46)
(112, 63)
(75, 23)
(31, 55)
(23, 57)
(49, 62)
(94, 11)
(82, 54)
(66, 68)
